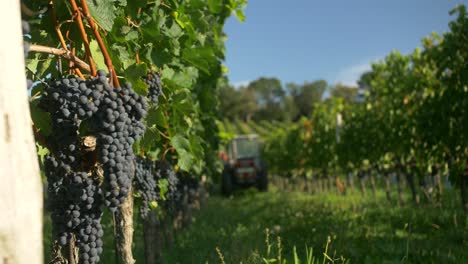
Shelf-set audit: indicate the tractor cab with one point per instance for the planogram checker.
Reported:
(243, 167)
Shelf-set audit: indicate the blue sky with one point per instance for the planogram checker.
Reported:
(335, 40)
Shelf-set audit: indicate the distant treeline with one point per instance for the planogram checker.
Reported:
(267, 99)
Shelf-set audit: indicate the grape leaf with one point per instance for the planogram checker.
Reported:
(104, 12)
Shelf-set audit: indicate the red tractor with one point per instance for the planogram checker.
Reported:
(243, 167)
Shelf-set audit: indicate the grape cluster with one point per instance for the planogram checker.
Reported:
(146, 184)
(75, 198)
(117, 125)
(114, 117)
(153, 80)
(182, 190)
(187, 185)
(165, 171)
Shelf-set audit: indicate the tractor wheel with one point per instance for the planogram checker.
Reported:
(226, 185)
(262, 181)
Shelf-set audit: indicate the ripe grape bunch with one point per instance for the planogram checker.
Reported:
(80, 108)
(75, 199)
(165, 171)
(146, 184)
(118, 124)
(147, 179)
(185, 190)
(153, 80)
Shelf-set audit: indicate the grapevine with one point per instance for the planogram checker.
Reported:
(90, 124)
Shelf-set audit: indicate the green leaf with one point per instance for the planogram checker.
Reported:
(185, 161)
(202, 58)
(131, 35)
(163, 185)
(122, 2)
(134, 5)
(180, 143)
(181, 95)
(37, 88)
(185, 107)
(104, 12)
(41, 119)
(140, 87)
(120, 28)
(41, 152)
(134, 74)
(152, 30)
(186, 77)
(120, 53)
(150, 138)
(174, 32)
(85, 127)
(32, 62)
(97, 55)
(156, 117)
(240, 15)
(215, 6)
(47, 66)
(168, 73)
(196, 146)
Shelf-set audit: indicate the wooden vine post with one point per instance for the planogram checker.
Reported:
(21, 188)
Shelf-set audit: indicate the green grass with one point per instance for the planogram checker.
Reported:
(361, 230)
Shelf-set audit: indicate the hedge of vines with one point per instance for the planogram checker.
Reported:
(413, 118)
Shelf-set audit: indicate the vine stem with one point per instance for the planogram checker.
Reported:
(77, 70)
(84, 36)
(167, 151)
(164, 135)
(62, 40)
(100, 43)
(62, 53)
(137, 58)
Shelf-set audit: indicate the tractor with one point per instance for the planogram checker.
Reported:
(243, 166)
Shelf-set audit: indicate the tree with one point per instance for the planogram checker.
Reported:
(248, 105)
(237, 103)
(290, 109)
(229, 102)
(306, 95)
(364, 81)
(269, 95)
(348, 93)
